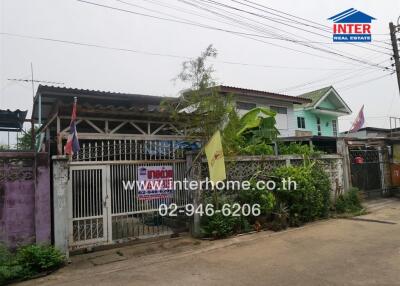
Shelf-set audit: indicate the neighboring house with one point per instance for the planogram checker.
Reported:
(283, 105)
(372, 132)
(320, 116)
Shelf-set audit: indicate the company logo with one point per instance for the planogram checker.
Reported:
(352, 26)
(143, 171)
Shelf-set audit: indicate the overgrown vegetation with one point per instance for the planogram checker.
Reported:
(349, 202)
(294, 148)
(252, 134)
(200, 108)
(288, 205)
(310, 198)
(28, 261)
(203, 110)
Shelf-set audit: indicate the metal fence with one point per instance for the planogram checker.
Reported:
(106, 211)
(129, 149)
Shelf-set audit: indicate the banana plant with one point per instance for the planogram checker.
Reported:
(258, 125)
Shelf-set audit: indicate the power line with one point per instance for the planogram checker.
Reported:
(331, 51)
(330, 78)
(283, 23)
(204, 26)
(357, 84)
(307, 20)
(160, 54)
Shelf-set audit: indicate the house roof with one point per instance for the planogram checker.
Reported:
(263, 94)
(12, 120)
(314, 96)
(95, 101)
(319, 95)
(351, 16)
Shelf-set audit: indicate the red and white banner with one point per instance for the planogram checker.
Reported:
(155, 182)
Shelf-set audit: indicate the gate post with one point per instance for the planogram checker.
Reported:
(343, 150)
(60, 203)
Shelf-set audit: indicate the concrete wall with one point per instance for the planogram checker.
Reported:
(290, 126)
(25, 214)
(60, 203)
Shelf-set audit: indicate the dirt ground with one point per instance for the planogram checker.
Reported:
(361, 251)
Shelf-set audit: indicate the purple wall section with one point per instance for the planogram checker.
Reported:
(25, 215)
(43, 201)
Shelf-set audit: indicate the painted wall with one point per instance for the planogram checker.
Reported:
(25, 215)
(286, 126)
(311, 122)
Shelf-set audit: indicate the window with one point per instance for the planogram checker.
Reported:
(281, 117)
(334, 128)
(241, 105)
(279, 110)
(319, 126)
(301, 123)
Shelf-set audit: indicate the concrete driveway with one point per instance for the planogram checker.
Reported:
(364, 251)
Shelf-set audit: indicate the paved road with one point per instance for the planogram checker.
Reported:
(333, 252)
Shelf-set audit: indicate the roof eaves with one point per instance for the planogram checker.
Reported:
(264, 94)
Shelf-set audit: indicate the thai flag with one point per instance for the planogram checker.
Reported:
(359, 122)
(72, 146)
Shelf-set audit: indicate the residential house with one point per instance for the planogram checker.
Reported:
(320, 116)
(283, 105)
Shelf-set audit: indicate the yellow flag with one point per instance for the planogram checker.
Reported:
(215, 158)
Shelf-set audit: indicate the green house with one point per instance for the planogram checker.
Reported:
(320, 116)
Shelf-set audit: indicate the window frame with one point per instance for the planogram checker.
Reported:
(276, 109)
(246, 105)
(319, 130)
(334, 127)
(301, 122)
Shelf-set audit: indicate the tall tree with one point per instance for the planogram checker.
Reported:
(201, 108)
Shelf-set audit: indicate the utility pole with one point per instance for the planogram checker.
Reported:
(393, 30)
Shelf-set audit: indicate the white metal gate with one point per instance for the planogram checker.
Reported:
(103, 211)
(88, 197)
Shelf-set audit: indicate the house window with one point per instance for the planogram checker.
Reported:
(241, 105)
(281, 117)
(334, 128)
(319, 126)
(279, 110)
(301, 123)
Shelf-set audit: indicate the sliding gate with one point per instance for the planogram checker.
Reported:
(106, 209)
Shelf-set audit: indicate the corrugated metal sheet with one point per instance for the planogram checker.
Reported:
(12, 120)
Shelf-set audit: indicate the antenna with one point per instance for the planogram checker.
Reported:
(33, 81)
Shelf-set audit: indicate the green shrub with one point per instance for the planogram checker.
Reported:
(349, 202)
(263, 197)
(257, 149)
(5, 255)
(12, 272)
(28, 261)
(39, 258)
(309, 201)
(298, 149)
(323, 185)
(218, 225)
(280, 218)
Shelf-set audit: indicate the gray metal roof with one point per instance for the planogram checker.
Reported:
(12, 120)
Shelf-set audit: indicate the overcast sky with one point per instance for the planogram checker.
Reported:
(262, 65)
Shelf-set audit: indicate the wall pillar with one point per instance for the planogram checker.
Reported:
(343, 150)
(60, 202)
(42, 200)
